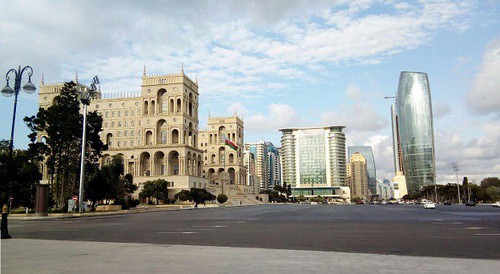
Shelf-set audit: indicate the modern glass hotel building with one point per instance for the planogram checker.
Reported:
(415, 129)
(314, 161)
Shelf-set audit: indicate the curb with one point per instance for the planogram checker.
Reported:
(24, 217)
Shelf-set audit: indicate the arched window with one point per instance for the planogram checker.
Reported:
(146, 107)
(179, 105)
(164, 137)
(109, 139)
(149, 138)
(164, 106)
(175, 136)
(153, 107)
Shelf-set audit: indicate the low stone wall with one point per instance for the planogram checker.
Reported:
(108, 207)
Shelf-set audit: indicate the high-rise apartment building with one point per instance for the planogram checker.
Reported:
(415, 129)
(357, 176)
(267, 163)
(384, 190)
(221, 161)
(249, 163)
(314, 161)
(367, 153)
(154, 130)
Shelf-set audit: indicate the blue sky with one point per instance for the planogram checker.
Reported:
(280, 63)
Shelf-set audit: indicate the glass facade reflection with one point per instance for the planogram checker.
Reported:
(314, 157)
(415, 128)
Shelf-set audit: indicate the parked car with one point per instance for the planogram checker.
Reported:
(447, 202)
(470, 203)
(360, 202)
(497, 204)
(430, 205)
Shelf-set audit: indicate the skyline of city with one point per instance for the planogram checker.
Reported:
(267, 65)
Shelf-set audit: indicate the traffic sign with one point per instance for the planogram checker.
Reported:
(11, 198)
(75, 198)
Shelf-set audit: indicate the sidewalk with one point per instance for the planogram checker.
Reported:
(52, 256)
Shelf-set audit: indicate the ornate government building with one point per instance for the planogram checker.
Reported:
(156, 132)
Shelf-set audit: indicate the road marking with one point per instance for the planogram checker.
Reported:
(178, 232)
(68, 230)
(486, 234)
(209, 226)
(474, 227)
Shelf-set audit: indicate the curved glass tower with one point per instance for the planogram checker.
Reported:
(415, 128)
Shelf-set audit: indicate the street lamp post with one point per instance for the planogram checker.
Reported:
(7, 91)
(455, 168)
(85, 96)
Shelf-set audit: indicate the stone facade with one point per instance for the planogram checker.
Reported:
(222, 164)
(156, 130)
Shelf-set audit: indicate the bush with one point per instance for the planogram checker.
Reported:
(221, 198)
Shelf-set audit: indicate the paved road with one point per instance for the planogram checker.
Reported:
(448, 231)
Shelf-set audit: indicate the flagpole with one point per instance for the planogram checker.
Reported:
(224, 163)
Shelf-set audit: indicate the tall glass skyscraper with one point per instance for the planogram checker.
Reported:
(367, 152)
(415, 128)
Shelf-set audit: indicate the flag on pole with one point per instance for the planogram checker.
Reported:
(230, 144)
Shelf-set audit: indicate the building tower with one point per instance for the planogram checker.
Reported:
(357, 176)
(314, 161)
(221, 161)
(415, 129)
(367, 153)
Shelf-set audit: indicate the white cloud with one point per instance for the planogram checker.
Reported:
(361, 116)
(259, 43)
(483, 97)
(238, 109)
(278, 116)
(478, 157)
(353, 92)
(440, 110)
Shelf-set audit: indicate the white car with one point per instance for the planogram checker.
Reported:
(497, 204)
(430, 205)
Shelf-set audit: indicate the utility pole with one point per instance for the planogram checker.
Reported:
(436, 193)
(456, 168)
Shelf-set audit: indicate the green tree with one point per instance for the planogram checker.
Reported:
(108, 182)
(129, 185)
(61, 124)
(355, 199)
(195, 195)
(490, 181)
(273, 195)
(4, 146)
(221, 198)
(19, 177)
(493, 193)
(156, 189)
